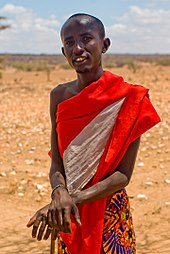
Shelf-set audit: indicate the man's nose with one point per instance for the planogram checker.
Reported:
(78, 48)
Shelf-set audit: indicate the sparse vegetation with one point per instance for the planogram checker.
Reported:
(29, 66)
(132, 65)
(48, 62)
(65, 66)
(164, 61)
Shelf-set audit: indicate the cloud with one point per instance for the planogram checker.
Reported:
(141, 31)
(12, 9)
(136, 31)
(29, 33)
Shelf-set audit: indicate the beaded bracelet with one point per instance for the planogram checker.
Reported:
(58, 186)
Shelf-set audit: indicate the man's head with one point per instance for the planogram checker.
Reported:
(93, 21)
(83, 38)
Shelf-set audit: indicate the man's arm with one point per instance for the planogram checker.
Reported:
(62, 204)
(118, 180)
(56, 175)
(57, 212)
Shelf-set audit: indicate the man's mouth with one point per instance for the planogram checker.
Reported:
(79, 59)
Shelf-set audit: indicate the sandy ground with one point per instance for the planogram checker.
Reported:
(24, 163)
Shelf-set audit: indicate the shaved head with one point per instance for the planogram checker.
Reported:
(84, 18)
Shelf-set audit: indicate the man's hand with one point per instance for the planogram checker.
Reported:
(40, 225)
(60, 209)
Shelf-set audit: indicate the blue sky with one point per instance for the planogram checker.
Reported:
(133, 26)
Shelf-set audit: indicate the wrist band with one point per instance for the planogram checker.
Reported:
(58, 186)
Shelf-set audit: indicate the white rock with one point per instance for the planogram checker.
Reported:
(161, 145)
(167, 203)
(23, 182)
(142, 196)
(29, 162)
(143, 149)
(147, 134)
(39, 186)
(41, 174)
(167, 181)
(2, 174)
(42, 194)
(20, 194)
(20, 188)
(140, 164)
(12, 173)
(149, 183)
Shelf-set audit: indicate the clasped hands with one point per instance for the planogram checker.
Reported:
(55, 217)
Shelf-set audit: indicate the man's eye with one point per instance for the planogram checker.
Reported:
(69, 43)
(86, 38)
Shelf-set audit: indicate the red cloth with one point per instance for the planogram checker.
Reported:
(136, 116)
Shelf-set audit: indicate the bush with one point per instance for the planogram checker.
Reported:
(65, 66)
(132, 65)
(28, 66)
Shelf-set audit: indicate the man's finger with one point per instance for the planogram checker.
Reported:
(66, 221)
(35, 226)
(31, 221)
(53, 216)
(49, 218)
(42, 229)
(76, 215)
(59, 218)
(48, 232)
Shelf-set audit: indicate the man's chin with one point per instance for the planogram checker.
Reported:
(81, 71)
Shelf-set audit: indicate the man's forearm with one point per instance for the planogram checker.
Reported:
(102, 189)
(56, 175)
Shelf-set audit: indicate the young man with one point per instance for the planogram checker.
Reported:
(97, 121)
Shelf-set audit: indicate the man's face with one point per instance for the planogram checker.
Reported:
(82, 44)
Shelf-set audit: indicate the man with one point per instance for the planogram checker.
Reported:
(97, 121)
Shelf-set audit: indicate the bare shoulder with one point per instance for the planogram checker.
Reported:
(62, 92)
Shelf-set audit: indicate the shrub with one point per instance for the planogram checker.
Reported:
(65, 66)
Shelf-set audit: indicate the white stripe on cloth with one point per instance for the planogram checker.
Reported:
(82, 156)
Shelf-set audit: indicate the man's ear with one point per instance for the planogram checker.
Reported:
(106, 45)
(62, 49)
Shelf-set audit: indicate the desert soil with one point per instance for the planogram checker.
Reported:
(24, 163)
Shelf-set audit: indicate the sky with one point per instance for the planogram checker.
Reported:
(134, 27)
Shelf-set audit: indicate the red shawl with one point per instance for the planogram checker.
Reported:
(136, 116)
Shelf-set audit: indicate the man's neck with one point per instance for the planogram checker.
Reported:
(84, 79)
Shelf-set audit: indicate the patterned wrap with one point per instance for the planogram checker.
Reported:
(118, 232)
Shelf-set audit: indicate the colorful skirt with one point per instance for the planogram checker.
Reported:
(118, 232)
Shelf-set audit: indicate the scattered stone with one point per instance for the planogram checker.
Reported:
(147, 134)
(20, 188)
(23, 182)
(39, 186)
(42, 194)
(20, 194)
(2, 174)
(13, 172)
(149, 183)
(41, 174)
(161, 145)
(29, 162)
(142, 196)
(167, 181)
(141, 164)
